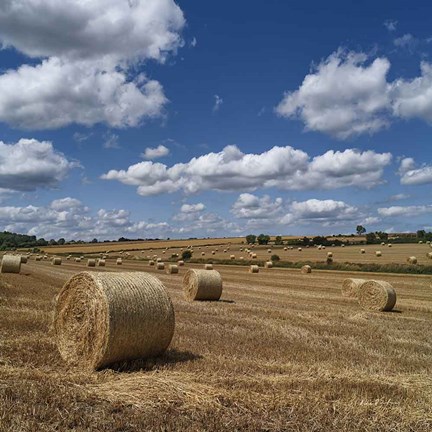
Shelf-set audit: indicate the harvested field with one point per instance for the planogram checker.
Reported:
(280, 351)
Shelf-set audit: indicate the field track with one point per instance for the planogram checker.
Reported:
(281, 351)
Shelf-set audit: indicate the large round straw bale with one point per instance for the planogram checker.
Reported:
(376, 296)
(389, 245)
(429, 255)
(101, 262)
(362, 251)
(23, 259)
(268, 264)
(103, 318)
(119, 261)
(253, 269)
(269, 251)
(378, 253)
(158, 259)
(77, 259)
(202, 285)
(172, 269)
(254, 256)
(412, 260)
(306, 269)
(10, 264)
(91, 262)
(151, 263)
(299, 249)
(330, 254)
(382, 243)
(160, 266)
(180, 263)
(208, 266)
(350, 287)
(285, 249)
(202, 253)
(232, 257)
(213, 252)
(56, 261)
(319, 247)
(38, 258)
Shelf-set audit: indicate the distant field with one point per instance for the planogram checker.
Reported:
(281, 351)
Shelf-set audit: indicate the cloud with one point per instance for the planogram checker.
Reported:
(407, 41)
(66, 204)
(325, 212)
(192, 208)
(399, 197)
(30, 164)
(413, 98)
(343, 96)
(232, 170)
(88, 51)
(249, 206)
(390, 25)
(404, 210)
(218, 103)
(155, 153)
(111, 141)
(410, 175)
(56, 93)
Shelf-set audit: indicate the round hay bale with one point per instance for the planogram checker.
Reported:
(172, 269)
(119, 261)
(91, 262)
(362, 251)
(254, 256)
(241, 258)
(376, 295)
(306, 269)
(412, 260)
(378, 253)
(38, 258)
(151, 263)
(202, 253)
(56, 261)
(268, 264)
(160, 266)
(285, 249)
(202, 285)
(180, 263)
(23, 259)
(329, 254)
(101, 262)
(389, 245)
(382, 243)
(253, 269)
(77, 259)
(269, 251)
(208, 266)
(103, 318)
(158, 259)
(10, 264)
(429, 255)
(343, 245)
(232, 257)
(45, 257)
(213, 252)
(299, 249)
(350, 287)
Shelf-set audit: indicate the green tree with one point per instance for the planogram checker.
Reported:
(251, 239)
(275, 258)
(360, 229)
(278, 240)
(263, 239)
(370, 238)
(61, 241)
(186, 255)
(421, 233)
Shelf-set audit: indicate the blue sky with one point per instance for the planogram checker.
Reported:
(150, 118)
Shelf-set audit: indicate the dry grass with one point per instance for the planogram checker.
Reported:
(279, 352)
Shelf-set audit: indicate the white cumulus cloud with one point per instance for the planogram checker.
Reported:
(404, 210)
(410, 175)
(154, 153)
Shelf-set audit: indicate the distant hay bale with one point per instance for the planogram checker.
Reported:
(350, 287)
(104, 318)
(376, 295)
(232, 257)
(202, 253)
(253, 269)
(378, 253)
(362, 251)
(119, 261)
(285, 249)
(241, 258)
(254, 256)
(412, 260)
(268, 264)
(420, 242)
(389, 245)
(208, 266)
(56, 261)
(269, 250)
(91, 262)
(180, 263)
(45, 257)
(429, 255)
(324, 247)
(151, 263)
(160, 266)
(10, 264)
(319, 247)
(68, 257)
(382, 243)
(23, 259)
(213, 252)
(77, 259)
(158, 259)
(306, 269)
(224, 250)
(172, 269)
(329, 254)
(101, 262)
(299, 249)
(38, 258)
(202, 285)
